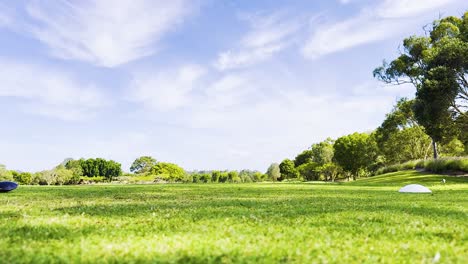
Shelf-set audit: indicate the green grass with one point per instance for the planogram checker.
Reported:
(402, 178)
(366, 221)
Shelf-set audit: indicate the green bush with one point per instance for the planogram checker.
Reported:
(420, 164)
(434, 165)
(5, 175)
(22, 177)
(92, 179)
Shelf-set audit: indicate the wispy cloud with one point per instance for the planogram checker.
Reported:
(371, 24)
(268, 35)
(165, 90)
(49, 92)
(408, 8)
(105, 32)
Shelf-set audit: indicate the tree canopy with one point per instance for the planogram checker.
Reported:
(436, 65)
(143, 164)
(355, 152)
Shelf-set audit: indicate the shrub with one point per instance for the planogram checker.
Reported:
(92, 179)
(5, 175)
(172, 172)
(433, 165)
(420, 164)
(215, 175)
(22, 177)
(309, 171)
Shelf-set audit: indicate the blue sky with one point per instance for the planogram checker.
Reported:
(206, 84)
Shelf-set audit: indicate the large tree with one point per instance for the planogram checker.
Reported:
(172, 171)
(97, 167)
(303, 158)
(400, 138)
(143, 164)
(322, 152)
(355, 153)
(288, 170)
(437, 66)
(273, 172)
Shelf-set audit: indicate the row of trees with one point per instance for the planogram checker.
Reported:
(147, 166)
(94, 167)
(434, 123)
(68, 172)
(144, 169)
(56, 176)
(361, 154)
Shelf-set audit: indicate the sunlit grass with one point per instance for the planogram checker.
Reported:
(365, 221)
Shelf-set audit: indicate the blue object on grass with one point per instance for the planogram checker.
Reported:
(6, 186)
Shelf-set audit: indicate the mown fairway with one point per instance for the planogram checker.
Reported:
(366, 221)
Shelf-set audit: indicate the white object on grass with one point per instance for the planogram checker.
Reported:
(415, 188)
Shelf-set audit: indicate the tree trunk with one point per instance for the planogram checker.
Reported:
(434, 148)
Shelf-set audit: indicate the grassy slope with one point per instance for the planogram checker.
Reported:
(366, 221)
(410, 176)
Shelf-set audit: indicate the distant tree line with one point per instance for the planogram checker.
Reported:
(68, 172)
(149, 168)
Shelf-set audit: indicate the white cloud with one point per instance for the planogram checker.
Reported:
(267, 36)
(165, 90)
(105, 32)
(350, 33)
(370, 25)
(408, 8)
(228, 91)
(49, 92)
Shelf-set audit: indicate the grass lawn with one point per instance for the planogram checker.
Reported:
(364, 221)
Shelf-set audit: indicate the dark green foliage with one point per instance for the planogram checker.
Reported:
(308, 171)
(437, 66)
(355, 152)
(215, 176)
(303, 158)
(99, 167)
(400, 138)
(288, 170)
(330, 171)
(223, 177)
(233, 176)
(201, 178)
